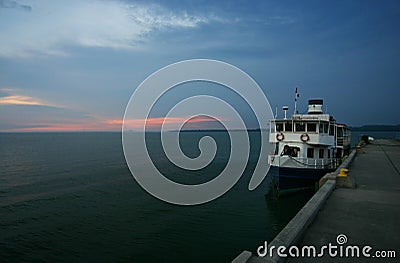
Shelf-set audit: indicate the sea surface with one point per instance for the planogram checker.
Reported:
(71, 197)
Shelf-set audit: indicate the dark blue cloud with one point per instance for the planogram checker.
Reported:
(14, 4)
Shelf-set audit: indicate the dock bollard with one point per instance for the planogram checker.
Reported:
(343, 172)
(343, 180)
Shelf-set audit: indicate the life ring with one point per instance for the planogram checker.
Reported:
(304, 137)
(280, 136)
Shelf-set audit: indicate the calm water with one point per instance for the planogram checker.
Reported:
(70, 197)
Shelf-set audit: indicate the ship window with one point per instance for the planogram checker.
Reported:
(279, 127)
(329, 153)
(323, 127)
(291, 151)
(288, 126)
(331, 130)
(311, 127)
(310, 152)
(321, 153)
(340, 132)
(300, 127)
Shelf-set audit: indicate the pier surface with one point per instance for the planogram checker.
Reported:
(367, 215)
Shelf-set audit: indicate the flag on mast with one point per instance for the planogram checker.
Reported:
(297, 95)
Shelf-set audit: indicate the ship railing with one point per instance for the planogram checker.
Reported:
(315, 163)
(307, 162)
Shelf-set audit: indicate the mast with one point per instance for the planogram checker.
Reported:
(295, 100)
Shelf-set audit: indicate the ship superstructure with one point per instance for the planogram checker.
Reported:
(307, 145)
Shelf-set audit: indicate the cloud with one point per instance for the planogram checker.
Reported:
(280, 20)
(22, 113)
(14, 4)
(11, 98)
(54, 26)
(20, 100)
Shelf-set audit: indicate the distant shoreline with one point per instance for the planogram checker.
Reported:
(364, 128)
(386, 128)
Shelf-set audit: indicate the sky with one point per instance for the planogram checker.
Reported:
(73, 65)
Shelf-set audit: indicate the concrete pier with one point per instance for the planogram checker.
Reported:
(368, 215)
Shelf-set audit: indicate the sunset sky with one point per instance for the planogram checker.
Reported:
(73, 65)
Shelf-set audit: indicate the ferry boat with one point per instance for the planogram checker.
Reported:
(307, 146)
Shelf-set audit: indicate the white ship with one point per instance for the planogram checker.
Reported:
(307, 146)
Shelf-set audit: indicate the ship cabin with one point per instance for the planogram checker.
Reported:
(313, 139)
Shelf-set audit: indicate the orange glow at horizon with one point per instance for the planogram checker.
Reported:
(159, 121)
(112, 124)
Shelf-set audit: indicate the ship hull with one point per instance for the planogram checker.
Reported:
(288, 178)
